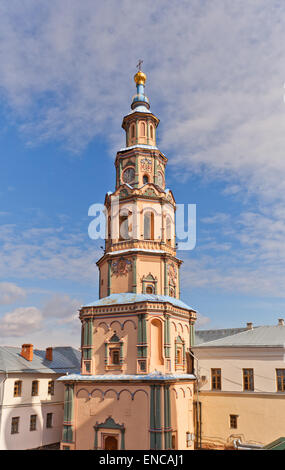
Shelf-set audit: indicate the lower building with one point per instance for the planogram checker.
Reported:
(241, 387)
(136, 386)
(31, 399)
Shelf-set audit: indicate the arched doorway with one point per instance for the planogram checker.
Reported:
(111, 443)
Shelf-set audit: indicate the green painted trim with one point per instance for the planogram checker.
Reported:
(155, 170)
(137, 173)
(144, 335)
(109, 277)
(67, 433)
(158, 417)
(121, 353)
(192, 335)
(135, 275)
(90, 333)
(152, 421)
(68, 403)
(166, 337)
(96, 439)
(165, 278)
(123, 439)
(165, 419)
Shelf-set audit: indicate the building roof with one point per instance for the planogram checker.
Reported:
(65, 359)
(278, 444)
(156, 375)
(203, 336)
(260, 336)
(131, 298)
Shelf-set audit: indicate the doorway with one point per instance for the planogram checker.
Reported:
(111, 443)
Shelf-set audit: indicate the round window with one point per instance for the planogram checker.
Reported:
(129, 175)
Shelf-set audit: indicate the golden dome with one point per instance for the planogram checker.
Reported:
(140, 78)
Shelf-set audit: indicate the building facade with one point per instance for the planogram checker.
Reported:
(135, 390)
(241, 387)
(31, 399)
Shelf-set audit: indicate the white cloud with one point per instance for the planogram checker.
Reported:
(201, 320)
(21, 322)
(215, 78)
(47, 253)
(62, 309)
(217, 81)
(10, 293)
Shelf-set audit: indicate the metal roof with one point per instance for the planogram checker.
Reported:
(156, 375)
(203, 336)
(279, 444)
(266, 336)
(65, 359)
(131, 298)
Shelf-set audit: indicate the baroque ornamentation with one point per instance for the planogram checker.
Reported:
(172, 272)
(121, 267)
(146, 165)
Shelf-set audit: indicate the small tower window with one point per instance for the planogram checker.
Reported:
(142, 129)
(151, 131)
(149, 226)
(115, 356)
(145, 179)
(149, 290)
(168, 229)
(132, 131)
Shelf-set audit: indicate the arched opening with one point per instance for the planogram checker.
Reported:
(111, 443)
(149, 226)
(142, 129)
(149, 289)
(124, 227)
(151, 131)
(156, 358)
(168, 229)
(145, 179)
(132, 131)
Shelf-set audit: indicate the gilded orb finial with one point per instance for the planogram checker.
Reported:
(140, 77)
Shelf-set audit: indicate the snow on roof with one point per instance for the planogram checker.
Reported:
(130, 298)
(266, 336)
(65, 359)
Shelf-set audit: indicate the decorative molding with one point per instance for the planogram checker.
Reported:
(121, 267)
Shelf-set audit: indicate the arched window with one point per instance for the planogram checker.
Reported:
(151, 131)
(145, 179)
(149, 289)
(109, 228)
(149, 226)
(142, 127)
(168, 229)
(156, 355)
(132, 131)
(125, 227)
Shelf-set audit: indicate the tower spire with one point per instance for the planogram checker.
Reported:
(140, 99)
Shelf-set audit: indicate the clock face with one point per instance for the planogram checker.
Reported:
(128, 175)
(160, 180)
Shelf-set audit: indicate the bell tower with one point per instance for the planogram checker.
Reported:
(140, 249)
(136, 386)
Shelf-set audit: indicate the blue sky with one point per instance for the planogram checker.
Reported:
(216, 81)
